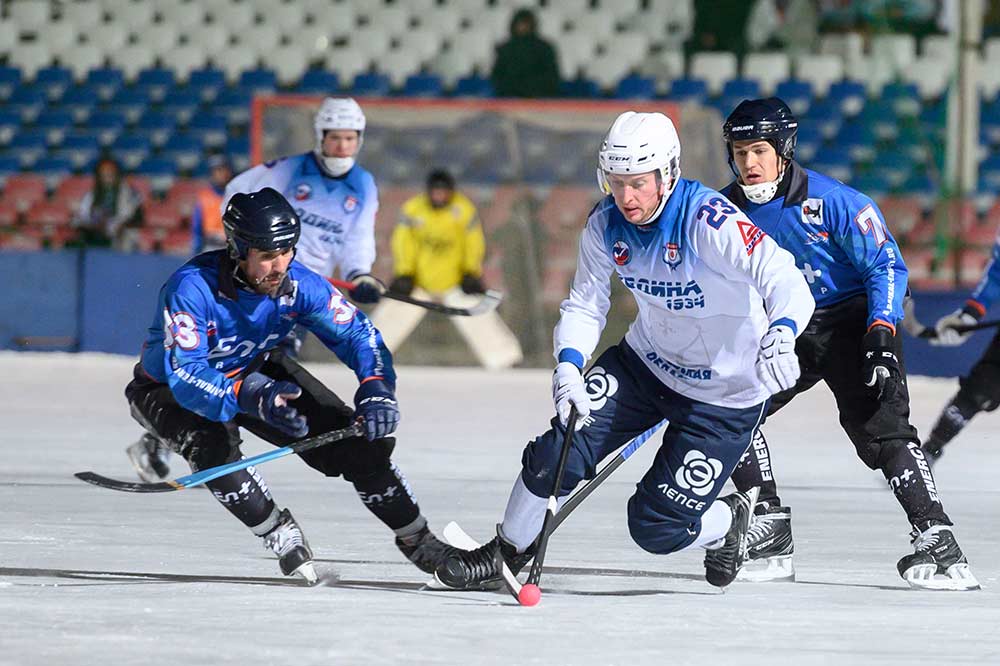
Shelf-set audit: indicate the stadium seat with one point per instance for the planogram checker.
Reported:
(85, 58)
(131, 149)
(9, 166)
(898, 48)
(159, 173)
(107, 125)
(920, 182)
(55, 123)
(871, 182)
(10, 123)
(290, 62)
(445, 20)
(156, 125)
(62, 38)
(106, 81)
(235, 60)
(820, 71)
(53, 169)
(156, 82)
(317, 38)
(161, 39)
(664, 67)
(930, 74)
(422, 44)
(29, 145)
(162, 215)
(473, 86)
(185, 60)
(636, 87)
(71, 190)
(183, 194)
(79, 101)
(28, 101)
(476, 46)
(135, 17)
(131, 102)
(688, 90)
(181, 104)
(53, 80)
(9, 215)
(989, 172)
(810, 138)
(895, 165)
(236, 17)
(767, 69)
(423, 85)
(289, 20)
(606, 69)
(110, 36)
(741, 89)
(183, 151)
(48, 215)
(797, 94)
(261, 38)
(858, 139)
(371, 41)
(880, 115)
(80, 147)
(207, 82)
(184, 15)
(210, 129)
(234, 103)
(903, 97)
(10, 78)
(834, 162)
(29, 56)
(849, 96)
(24, 190)
(340, 19)
(318, 82)
(393, 19)
(29, 16)
(347, 63)
(132, 59)
(873, 72)
(259, 81)
(370, 84)
(576, 50)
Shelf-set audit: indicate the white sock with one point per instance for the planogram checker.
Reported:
(522, 520)
(714, 524)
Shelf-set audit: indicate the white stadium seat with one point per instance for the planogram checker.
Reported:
(316, 39)
(873, 71)
(30, 57)
(421, 44)
(622, 10)
(394, 20)
(989, 78)
(443, 20)
(84, 14)
(991, 50)
(185, 60)
(677, 19)
(496, 20)
(235, 17)
(235, 60)
(664, 67)
(942, 47)
(847, 45)
(631, 47)
(84, 58)
(398, 65)
(28, 16)
(371, 40)
(211, 37)
(551, 22)
(930, 74)
(347, 63)
(261, 38)
(768, 69)
(450, 66)
(899, 49)
(289, 17)
(108, 36)
(132, 59)
(606, 69)
(288, 62)
(60, 36)
(821, 70)
(8, 37)
(161, 39)
(133, 16)
(184, 15)
(714, 67)
(598, 24)
(476, 45)
(575, 50)
(340, 19)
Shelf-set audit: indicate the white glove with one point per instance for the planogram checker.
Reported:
(947, 336)
(569, 389)
(777, 364)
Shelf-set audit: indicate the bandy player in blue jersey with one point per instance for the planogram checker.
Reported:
(857, 276)
(720, 305)
(210, 366)
(979, 390)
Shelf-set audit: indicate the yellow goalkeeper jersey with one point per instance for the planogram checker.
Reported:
(437, 246)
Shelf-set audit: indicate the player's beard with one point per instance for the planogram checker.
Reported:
(270, 283)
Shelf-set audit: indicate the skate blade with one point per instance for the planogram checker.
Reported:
(140, 469)
(438, 585)
(778, 569)
(957, 578)
(307, 571)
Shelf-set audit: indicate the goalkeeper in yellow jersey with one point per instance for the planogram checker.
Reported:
(438, 249)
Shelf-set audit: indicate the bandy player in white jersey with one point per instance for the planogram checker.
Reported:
(720, 306)
(335, 198)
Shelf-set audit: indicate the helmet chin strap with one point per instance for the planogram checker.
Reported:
(761, 193)
(335, 166)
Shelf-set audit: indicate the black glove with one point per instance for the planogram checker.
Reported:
(267, 399)
(375, 403)
(879, 365)
(367, 289)
(402, 285)
(472, 284)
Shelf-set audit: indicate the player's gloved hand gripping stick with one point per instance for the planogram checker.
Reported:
(489, 302)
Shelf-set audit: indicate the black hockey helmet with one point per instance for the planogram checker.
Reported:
(768, 119)
(262, 220)
(440, 178)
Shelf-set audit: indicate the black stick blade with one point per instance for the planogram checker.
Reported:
(126, 486)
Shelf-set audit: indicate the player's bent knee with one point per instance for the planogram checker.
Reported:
(205, 449)
(354, 459)
(658, 533)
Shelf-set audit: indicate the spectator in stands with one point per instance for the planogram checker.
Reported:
(719, 25)
(438, 248)
(783, 25)
(109, 209)
(206, 216)
(526, 64)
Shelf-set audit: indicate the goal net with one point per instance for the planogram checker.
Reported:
(530, 167)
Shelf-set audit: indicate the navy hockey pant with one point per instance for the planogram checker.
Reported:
(701, 446)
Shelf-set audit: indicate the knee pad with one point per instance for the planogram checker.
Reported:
(208, 448)
(657, 531)
(353, 458)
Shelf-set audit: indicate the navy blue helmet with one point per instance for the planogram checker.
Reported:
(768, 119)
(261, 220)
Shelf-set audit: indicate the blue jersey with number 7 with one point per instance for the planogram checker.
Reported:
(839, 240)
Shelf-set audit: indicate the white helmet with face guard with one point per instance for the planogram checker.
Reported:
(338, 113)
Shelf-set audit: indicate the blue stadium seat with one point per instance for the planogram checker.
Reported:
(160, 172)
(131, 149)
(156, 82)
(80, 101)
(107, 125)
(28, 101)
(688, 90)
(579, 88)
(55, 122)
(636, 87)
(880, 115)
(259, 81)
(473, 86)
(989, 121)
(234, 103)
(9, 165)
(849, 96)
(895, 165)
(10, 78)
(797, 94)
(106, 81)
(808, 142)
(53, 80)
(858, 139)
(10, 123)
(183, 151)
(872, 182)
(181, 103)
(826, 116)
(209, 128)
(318, 82)
(29, 145)
(834, 162)
(904, 98)
(131, 102)
(80, 147)
(423, 85)
(372, 84)
(919, 183)
(53, 169)
(207, 83)
(158, 126)
(238, 152)
(741, 89)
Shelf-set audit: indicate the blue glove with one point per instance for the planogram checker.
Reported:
(267, 399)
(376, 405)
(366, 289)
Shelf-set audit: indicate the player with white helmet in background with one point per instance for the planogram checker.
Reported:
(720, 305)
(335, 197)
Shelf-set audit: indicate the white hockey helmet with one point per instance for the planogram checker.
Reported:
(640, 143)
(338, 113)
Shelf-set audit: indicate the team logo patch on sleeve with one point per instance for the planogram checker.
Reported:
(302, 192)
(350, 203)
(812, 211)
(621, 252)
(672, 254)
(752, 235)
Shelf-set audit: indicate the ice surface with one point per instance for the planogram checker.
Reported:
(91, 576)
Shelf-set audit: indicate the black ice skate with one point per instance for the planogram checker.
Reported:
(149, 457)
(288, 543)
(477, 569)
(425, 550)
(723, 563)
(937, 562)
(769, 546)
